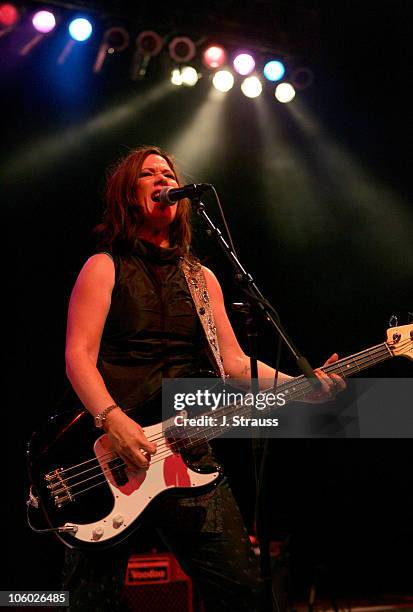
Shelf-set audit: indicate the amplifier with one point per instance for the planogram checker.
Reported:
(155, 583)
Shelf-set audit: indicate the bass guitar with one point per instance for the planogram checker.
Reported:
(90, 498)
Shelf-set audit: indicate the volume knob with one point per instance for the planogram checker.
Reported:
(97, 533)
(117, 520)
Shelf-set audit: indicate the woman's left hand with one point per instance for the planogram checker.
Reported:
(331, 384)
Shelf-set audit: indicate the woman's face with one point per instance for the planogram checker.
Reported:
(154, 175)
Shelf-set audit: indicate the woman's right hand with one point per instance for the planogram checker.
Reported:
(128, 440)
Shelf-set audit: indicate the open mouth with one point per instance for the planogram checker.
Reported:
(155, 195)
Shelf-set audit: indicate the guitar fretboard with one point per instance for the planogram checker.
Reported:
(295, 389)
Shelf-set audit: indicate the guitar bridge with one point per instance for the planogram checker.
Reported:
(58, 488)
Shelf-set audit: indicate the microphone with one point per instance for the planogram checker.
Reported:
(169, 195)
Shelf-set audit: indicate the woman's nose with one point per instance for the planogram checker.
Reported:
(161, 179)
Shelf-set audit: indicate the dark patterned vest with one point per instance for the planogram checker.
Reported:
(152, 330)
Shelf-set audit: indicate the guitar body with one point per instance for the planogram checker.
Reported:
(79, 481)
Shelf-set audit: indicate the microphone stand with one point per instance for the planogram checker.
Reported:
(257, 303)
(254, 295)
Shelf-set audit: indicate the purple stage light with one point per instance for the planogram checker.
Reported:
(44, 21)
(244, 63)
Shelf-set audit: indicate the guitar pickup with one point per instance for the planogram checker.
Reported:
(118, 472)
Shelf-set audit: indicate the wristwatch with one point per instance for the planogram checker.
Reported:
(101, 417)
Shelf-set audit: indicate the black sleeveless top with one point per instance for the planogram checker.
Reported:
(152, 330)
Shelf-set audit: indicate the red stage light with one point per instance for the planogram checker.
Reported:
(8, 15)
(214, 56)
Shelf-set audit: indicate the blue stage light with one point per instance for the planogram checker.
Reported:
(80, 29)
(274, 70)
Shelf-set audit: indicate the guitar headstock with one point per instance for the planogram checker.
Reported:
(400, 340)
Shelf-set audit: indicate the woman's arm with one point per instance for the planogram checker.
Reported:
(88, 309)
(237, 363)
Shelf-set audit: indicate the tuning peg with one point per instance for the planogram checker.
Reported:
(410, 317)
(393, 321)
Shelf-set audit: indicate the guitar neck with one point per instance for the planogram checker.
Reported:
(292, 390)
(343, 367)
(360, 361)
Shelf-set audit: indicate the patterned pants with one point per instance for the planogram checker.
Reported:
(208, 537)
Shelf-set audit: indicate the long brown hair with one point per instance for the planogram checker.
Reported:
(122, 218)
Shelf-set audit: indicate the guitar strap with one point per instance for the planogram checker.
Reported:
(197, 286)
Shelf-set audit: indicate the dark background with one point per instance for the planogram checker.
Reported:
(317, 194)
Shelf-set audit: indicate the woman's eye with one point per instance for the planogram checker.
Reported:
(146, 173)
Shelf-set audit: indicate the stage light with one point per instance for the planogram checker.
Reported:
(244, 63)
(223, 80)
(114, 39)
(148, 44)
(44, 21)
(189, 76)
(9, 15)
(182, 49)
(80, 29)
(302, 77)
(251, 87)
(284, 92)
(274, 70)
(176, 77)
(214, 57)
(185, 76)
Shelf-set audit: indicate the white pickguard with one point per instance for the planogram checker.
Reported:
(142, 487)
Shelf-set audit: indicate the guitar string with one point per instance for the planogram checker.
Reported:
(301, 381)
(199, 438)
(104, 480)
(74, 493)
(101, 472)
(296, 383)
(159, 457)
